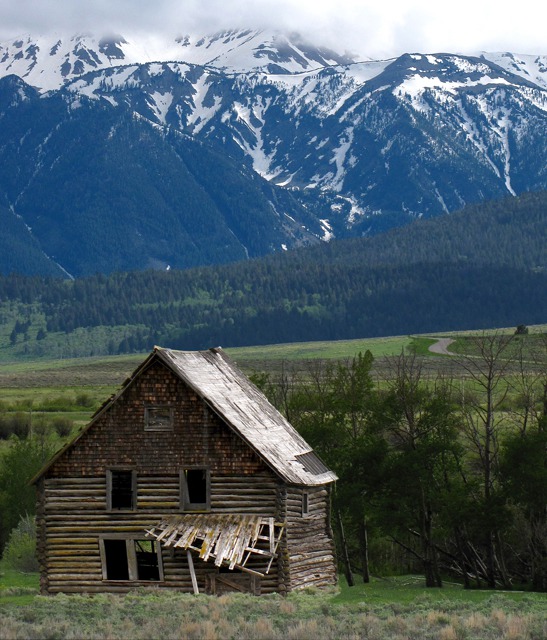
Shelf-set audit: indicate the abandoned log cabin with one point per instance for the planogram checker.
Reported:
(187, 479)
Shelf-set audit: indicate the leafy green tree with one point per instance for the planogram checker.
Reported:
(418, 423)
(18, 464)
(330, 407)
(20, 550)
(523, 466)
(524, 472)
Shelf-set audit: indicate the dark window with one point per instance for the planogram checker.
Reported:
(158, 418)
(115, 556)
(195, 489)
(131, 559)
(305, 503)
(121, 488)
(147, 560)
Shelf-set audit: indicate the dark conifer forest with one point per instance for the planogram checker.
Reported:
(483, 267)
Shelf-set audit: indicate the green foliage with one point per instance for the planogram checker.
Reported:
(523, 470)
(14, 424)
(20, 550)
(18, 464)
(418, 459)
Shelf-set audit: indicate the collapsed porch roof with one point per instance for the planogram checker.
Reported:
(228, 539)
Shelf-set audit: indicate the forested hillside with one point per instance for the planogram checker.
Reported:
(482, 267)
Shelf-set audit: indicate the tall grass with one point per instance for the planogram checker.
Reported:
(373, 612)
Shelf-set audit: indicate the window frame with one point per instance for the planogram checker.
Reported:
(185, 504)
(109, 487)
(131, 554)
(150, 408)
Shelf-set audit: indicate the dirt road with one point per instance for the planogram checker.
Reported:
(441, 347)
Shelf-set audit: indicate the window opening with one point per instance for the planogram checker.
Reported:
(121, 489)
(147, 560)
(127, 558)
(196, 480)
(117, 566)
(195, 489)
(305, 503)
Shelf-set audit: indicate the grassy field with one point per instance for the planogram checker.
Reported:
(395, 609)
(100, 376)
(34, 385)
(337, 349)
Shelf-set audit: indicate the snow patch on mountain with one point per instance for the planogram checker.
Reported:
(340, 158)
(160, 104)
(201, 113)
(529, 67)
(328, 234)
(253, 120)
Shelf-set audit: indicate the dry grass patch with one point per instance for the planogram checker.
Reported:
(379, 611)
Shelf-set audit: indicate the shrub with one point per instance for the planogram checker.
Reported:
(20, 550)
(19, 462)
(63, 426)
(14, 424)
(84, 400)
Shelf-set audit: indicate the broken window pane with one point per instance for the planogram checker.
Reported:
(158, 418)
(147, 560)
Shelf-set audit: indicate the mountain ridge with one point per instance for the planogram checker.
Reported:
(346, 148)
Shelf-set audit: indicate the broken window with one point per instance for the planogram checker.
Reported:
(195, 490)
(158, 418)
(131, 559)
(121, 489)
(147, 560)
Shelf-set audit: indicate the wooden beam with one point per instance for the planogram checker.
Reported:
(192, 571)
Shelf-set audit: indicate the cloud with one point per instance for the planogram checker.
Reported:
(382, 28)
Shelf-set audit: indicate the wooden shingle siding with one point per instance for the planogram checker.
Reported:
(118, 436)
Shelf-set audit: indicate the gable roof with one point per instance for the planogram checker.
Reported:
(242, 406)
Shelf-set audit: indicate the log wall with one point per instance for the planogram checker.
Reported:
(309, 555)
(72, 517)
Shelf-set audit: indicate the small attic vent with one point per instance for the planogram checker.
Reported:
(311, 463)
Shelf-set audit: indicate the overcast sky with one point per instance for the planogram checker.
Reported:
(377, 29)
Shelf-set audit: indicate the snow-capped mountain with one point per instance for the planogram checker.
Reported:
(49, 62)
(532, 68)
(334, 146)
